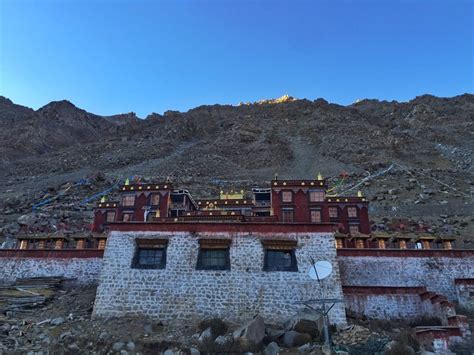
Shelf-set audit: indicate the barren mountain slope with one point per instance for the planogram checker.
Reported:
(429, 139)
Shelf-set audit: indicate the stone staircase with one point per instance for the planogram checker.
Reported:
(454, 327)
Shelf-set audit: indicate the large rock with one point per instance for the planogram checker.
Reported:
(252, 333)
(271, 349)
(274, 333)
(206, 335)
(311, 323)
(27, 220)
(292, 338)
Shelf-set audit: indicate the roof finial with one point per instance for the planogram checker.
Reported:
(127, 181)
(276, 176)
(168, 179)
(320, 177)
(102, 200)
(359, 193)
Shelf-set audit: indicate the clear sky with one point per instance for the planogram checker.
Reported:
(151, 56)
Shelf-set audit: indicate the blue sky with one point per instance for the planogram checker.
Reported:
(112, 57)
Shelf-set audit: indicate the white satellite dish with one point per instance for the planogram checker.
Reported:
(322, 268)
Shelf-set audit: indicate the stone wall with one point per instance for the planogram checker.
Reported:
(376, 306)
(465, 292)
(83, 268)
(436, 270)
(181, 292)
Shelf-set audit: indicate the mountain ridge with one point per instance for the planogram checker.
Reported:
(211, 147)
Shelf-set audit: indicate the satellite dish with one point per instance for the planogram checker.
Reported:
(322, 268)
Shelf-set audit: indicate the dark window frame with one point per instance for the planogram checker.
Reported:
(200, 261)
(356, 212)
(107, 216)
(155, 195)
(319, 192)
(131, 213)
(354, 225)
(337, 212)
(292, 268)
(158, 266)
(124, 197)
(291, 194)
(317, 209)
(286, 209)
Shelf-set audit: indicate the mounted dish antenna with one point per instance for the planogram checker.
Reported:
(320, 270)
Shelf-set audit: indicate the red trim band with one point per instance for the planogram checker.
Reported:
(236, 227)
(401, 253)
(382, 290)
(52, 254)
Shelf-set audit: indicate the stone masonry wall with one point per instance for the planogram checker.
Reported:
(465, 294)
(408, 306)
(83, 270)
(181, 292)
(436, 273)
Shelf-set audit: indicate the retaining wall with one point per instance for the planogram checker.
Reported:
(81, 265)
(434, 269)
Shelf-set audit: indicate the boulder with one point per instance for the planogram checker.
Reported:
(27, 220)
(131, 346)
(271, 349)
(206, 335)
(252, 333)
(223, 340)
(118, 346)
(306, 322)
(306, 348)
(274, 333)
(293, 338)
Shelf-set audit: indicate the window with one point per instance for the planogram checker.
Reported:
(150, 254)
(279, 255)
(339, 243)
(333, 212)
(353, 229)
(352, 212)
(127, 217)
(128, 200)
(280, 260)
(110, 216)
(287, 196)
(316, 196)
(287, 215)
(360, 243)
(213, 255)
(151, 215)
(316, 216)
(213, 259)
(155, 199)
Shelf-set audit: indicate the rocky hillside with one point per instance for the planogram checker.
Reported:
(427, 142)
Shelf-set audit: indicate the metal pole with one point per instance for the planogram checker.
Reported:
(325, 316)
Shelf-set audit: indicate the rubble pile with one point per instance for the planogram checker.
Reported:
(28, 293)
